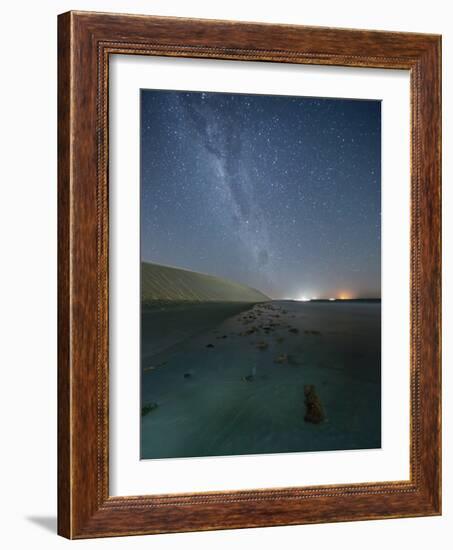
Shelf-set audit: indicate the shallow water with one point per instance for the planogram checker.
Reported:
(217, 393)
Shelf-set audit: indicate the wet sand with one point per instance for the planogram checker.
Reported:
(219, 381)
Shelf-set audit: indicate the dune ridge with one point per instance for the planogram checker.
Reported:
(171, 284)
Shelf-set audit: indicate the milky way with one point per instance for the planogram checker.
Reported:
(278, 193)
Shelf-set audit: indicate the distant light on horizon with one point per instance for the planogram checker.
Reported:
(341, 296)
(306, 298)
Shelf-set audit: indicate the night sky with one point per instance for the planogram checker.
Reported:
(279, 193)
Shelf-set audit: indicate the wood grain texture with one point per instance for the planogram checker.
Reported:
(64, 309)
(86, 40)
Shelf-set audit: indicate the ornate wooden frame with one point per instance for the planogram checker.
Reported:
(85, 42)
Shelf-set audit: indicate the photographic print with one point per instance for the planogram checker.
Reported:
(260, 274)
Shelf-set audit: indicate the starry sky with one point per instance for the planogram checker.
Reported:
(279, 193)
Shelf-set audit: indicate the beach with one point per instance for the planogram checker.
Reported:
(230, 378)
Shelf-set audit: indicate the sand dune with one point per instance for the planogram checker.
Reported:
(162, 283)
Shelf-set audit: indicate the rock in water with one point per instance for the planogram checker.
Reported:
(148, 407)
(314, 411)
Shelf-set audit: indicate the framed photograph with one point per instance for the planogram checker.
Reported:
(249, 275)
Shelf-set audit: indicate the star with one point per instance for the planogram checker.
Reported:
(268, 191)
